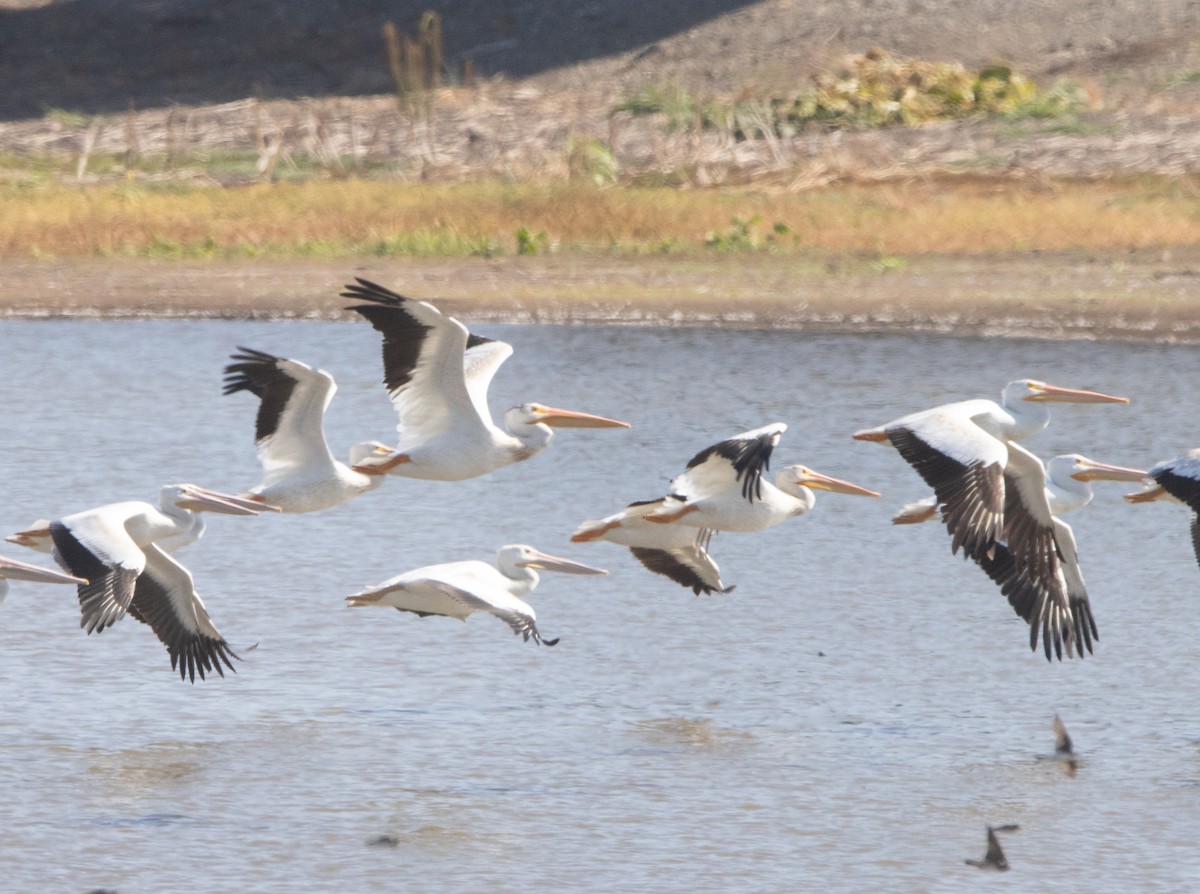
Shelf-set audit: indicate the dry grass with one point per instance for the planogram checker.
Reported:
(354, 218)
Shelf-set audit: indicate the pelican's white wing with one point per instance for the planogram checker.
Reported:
(724, 466)
(165, 598)
(455, 590)
(96, 546)
(424, 360)
(480, 362)
(514, 612)
(289, 431)
(965, 467)
(1077, 597)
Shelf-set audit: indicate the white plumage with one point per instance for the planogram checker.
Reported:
(991, 493)
(300, 472)
(457, 589)
(437, 375)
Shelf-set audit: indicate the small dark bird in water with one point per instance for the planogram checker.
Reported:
(994, 858)
(1063, 750)
(383, 841)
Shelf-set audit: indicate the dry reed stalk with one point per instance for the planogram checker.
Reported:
(132, 148)
(89, 143)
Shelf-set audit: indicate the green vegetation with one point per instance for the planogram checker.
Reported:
(871, 90)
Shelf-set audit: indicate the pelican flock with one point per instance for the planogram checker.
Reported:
(991, 493)
(1001, 507)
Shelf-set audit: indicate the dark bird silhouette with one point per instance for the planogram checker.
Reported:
(994, 858)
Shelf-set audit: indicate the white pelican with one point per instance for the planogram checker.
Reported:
(12, 569)
(301, 474)
(115, 549)
(1179, 480)
(456, 589)
(674, 551)
(437, 375)
(722, 488)
(992, 497)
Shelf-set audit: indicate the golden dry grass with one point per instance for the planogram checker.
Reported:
(352, 218)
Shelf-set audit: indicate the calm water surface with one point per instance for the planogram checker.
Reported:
(851, 716)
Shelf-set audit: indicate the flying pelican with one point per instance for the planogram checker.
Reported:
(722, 488)
(301, 473)
(456, 589)
(992, 496)
(114, 548)
(674, 551)
(437, 375)
(1176, 479)
(12, 569)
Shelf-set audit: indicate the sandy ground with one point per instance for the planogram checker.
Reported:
(1146, 298)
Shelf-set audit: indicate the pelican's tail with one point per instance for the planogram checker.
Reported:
(594, 529)
(916, 512)
(871, 434)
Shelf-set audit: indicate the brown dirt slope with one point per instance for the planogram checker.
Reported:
(100, 55)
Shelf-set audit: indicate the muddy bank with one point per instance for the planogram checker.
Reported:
(1138, 298)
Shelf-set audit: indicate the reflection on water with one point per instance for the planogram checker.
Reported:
(853, 715)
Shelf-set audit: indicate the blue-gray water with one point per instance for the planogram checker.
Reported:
(851, 716)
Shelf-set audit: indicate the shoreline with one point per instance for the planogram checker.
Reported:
(1147, 297)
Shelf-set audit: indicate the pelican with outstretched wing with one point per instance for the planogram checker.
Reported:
(301, 474)
(458, 589)
(991, 493)
(437, 376)
(115, 550)
(723, 487)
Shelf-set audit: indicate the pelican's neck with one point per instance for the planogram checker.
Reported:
(1066, 494)
(802, 499)
(524, 579)
(534, 437)
(1028, 417)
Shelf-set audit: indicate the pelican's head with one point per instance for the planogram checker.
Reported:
(790, 477)
(1083, 469)
(200, 499)
(540, 414)
(519, 555)
(1040, 392)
